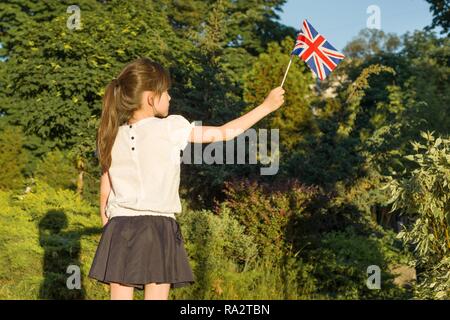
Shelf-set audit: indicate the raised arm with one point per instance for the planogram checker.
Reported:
(105, 189)
(208, 134)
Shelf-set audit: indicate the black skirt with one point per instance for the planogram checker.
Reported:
(138, 250)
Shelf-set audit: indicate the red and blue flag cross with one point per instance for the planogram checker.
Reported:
(316, 51)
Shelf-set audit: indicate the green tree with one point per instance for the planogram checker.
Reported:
(53, 78)
(251, 24)
(371, 42)
(13, 158)
(441, 14)
(295, 117)
(214, 93)
(423, 193)
(395, 107)
(57, 170)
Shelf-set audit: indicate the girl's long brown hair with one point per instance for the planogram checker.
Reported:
(123, 97)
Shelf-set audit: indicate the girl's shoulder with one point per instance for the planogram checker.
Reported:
(175, 117)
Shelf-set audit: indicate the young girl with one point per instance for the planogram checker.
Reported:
(138, 146)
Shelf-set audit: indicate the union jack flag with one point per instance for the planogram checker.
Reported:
(316, 51)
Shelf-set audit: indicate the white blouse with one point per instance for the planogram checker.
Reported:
(145, 167)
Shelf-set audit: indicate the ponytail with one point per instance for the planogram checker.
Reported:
(109, 125)
(122, 98)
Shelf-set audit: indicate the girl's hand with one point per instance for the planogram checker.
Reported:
(275, 99)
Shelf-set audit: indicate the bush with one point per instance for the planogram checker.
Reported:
(435, 282)
(41, 234)
(57, 170)
(269, 213)
(330, 235)
(422, 193)
(227, 266)
(12, 158)
(45, 230)
(342, 260)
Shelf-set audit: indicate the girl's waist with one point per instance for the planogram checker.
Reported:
(117, 210)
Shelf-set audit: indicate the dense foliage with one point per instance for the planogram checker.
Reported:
(364, 168)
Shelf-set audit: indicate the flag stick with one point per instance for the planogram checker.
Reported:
(287, 70)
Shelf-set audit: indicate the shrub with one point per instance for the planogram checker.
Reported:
(342, 260)
(268, 213)
(422, 193)
(227, 266)
(41, 234)
(57, 170)
(12, 158)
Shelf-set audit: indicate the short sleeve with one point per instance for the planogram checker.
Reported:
(179, 130)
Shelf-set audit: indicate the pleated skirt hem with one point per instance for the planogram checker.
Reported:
(139, 250)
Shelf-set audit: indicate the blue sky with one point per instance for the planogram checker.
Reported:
(340, 21)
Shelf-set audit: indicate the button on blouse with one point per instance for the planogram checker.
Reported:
(146, 177)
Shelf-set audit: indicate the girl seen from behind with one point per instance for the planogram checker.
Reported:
(138, 147)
